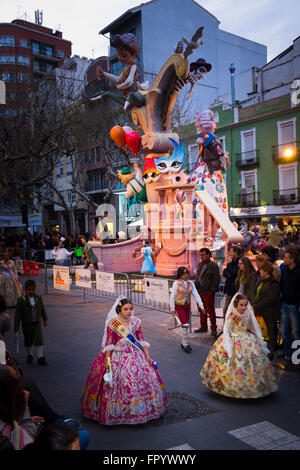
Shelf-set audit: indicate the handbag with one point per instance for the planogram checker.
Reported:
(263, 327)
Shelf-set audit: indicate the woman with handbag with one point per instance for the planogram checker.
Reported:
(267, 305)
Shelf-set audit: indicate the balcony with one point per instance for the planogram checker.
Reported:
(286, 153)
(248, 199)
(247, 159)
(286, 196)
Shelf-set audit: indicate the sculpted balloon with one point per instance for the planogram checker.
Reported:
(133, 140)
(127, 129)
(117, 134)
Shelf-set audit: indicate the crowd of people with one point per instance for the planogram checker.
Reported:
(261, 321)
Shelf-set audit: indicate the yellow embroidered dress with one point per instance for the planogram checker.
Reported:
(246, 371)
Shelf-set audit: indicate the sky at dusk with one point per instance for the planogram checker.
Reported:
(274, 23)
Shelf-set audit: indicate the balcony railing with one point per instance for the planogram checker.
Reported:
(249, 158)
(286, 196)
(248, 199)
(286, 153)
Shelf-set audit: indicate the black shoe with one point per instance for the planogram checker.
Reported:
(187, 349)
(42, 361)
(29, 359)
(201, 330)
(213, 333)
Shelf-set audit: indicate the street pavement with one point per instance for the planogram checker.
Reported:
(73, 338)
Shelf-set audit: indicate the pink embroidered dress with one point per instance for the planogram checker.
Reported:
(137, 393)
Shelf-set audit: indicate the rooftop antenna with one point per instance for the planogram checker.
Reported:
(38, 17)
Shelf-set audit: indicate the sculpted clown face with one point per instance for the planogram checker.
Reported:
(172, 163)
(151, 177)
(199, 73)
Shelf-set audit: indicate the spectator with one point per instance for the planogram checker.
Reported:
(289, 307)
(4, 318)
(259, 261)
(56, 437)
(62, 255)
(246, 279)
(12, 409)
(269, 254)
(230, 274)
(267, 303)
(30, 311)
(207, 284)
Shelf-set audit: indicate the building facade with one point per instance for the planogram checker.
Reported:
(160, 24)
(29, 52)
(262, 136)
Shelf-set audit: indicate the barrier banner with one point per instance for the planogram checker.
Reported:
(157, 289)
(35, 269)
(61, 278)
(105, 282)
(26, 267)
(83, 278)
(19, 266)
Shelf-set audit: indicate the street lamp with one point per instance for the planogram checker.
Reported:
(232, 70)
(288, 152)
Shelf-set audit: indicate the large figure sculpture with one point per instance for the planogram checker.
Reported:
(207, 174)
(168, 193)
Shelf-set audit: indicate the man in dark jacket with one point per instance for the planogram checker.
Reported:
(207, 283)
(290, 301)
(230, 274)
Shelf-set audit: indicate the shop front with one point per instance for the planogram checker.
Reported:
(287, 216)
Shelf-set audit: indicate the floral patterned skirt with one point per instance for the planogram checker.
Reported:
(247, 374)
(136, 396)
(10, 288)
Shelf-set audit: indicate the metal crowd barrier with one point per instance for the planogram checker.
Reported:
(131, 285)
(121, 284)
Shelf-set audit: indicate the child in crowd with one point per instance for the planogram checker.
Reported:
(180, 303)
(30, 311)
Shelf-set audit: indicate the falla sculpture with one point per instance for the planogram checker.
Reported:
(162, 184)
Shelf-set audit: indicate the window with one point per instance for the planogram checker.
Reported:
(8, 77)
(249, 181)
(7, 59)
(59, 172)
(103, 181)
(60, 53)
(23, 77)
(48, 51)
(23, 60)
(69, 169)
(223, 142)
(248, 143)
(286, 131)
(288, 176)
(71, 197)
(23, 42)
(7, 41)
(35, 48)
(117, 68)
(193, 155)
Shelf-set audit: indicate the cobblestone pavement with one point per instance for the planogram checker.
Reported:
(196, 418)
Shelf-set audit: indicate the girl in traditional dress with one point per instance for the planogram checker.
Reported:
(180, 303)
(10, 286)
(123, 385)
(148, 267)
(237, 365)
